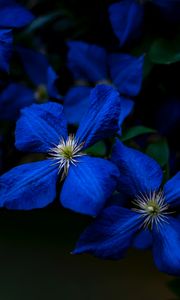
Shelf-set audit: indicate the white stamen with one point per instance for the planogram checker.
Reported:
(152, 207)
(66, 153)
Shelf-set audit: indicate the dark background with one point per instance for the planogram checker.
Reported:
(36, 263)
(35, 259)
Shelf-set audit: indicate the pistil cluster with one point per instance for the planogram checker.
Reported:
(66, 152)
(152, 208)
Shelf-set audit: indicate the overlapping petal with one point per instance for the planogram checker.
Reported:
(88, 185)
(87, 62)
(39, 70)
(126, 19)
(138, 172)
(29, 186)
(51, 83)
(126, 73)
(127, 106)
(110, 234)
(166, 245)
(101, 119)
(40, 127)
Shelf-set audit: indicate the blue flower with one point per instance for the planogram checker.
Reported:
(12, 15)
(40, 72)
(126, 19)
(127, 16)
(44, 79)
(91, 64)
(151, 218)
(88, 181)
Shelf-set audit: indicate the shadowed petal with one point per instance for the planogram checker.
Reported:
(88, 185)
(126, 73)
(110, 234)
(13, 15)
(29, 186)
(127, 106)
(87, 62)
(5, 48)
(166, 245)
(40, 127)
(51, 83)
(101, 119)
(126, 19)
(138, 172)
(38, 69)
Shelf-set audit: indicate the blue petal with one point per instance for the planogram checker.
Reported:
(38, 69)
(127, 106)
(138, 172)
(172, 190)
(40, 127)
(51, 83)
(126, 73)
(5, 48)
(12, 99)
(110, 235)
(126, 19)
(87, 62)
(166, 245)
(88, 185)
(76, 103)
(143, 240)
(101, 118)
(13, 15)
(28, 186)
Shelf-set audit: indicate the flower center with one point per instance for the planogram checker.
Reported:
(41, 93)
(67, 153)
(152, 207)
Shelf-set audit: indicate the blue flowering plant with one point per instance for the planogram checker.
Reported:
(127, 16)
(89, 181)
(90, 64)
(76, 150)
(43, 79)
(145, 213)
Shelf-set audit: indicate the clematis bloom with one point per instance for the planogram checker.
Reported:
(150, 219)
(89, 181)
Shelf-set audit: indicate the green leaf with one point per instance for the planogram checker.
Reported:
(99, 149)
(43, 20)
(159, 151)
(165, 51)
(135, 131)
